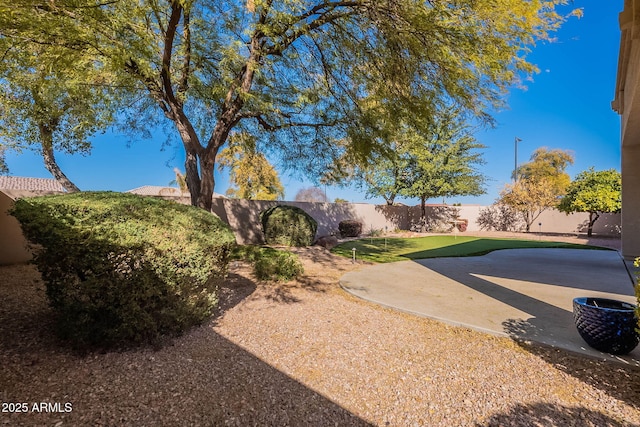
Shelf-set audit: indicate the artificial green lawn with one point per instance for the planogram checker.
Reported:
(399, 249)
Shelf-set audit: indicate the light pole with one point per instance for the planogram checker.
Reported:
(515, 166)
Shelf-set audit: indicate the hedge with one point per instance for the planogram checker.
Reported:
(121, 269)
(288, 226)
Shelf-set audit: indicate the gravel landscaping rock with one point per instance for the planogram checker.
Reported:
(301, 353)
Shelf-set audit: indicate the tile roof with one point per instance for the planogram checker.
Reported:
(30, 184)
(156, 190)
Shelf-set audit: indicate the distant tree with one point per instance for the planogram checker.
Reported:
(549, 164)
(311, 194)
(52, 99)
(595, 192)
(443, 161)
(339, 200)
(540, 184)
(529, 197)
(252, 176)
(434, 157)
(385, 175)
(180, 181)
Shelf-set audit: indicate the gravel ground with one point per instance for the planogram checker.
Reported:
(301, 353)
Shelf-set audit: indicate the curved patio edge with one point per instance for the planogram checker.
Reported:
(525, 294)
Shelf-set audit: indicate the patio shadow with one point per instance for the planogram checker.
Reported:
(623, 383)
(549, 415)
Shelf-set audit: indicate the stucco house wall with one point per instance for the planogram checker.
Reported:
(13, 245)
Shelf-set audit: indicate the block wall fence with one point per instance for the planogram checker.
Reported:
(244, 218)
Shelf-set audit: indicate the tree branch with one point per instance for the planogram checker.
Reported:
(165, 74)
(274, 127)
(186, 63)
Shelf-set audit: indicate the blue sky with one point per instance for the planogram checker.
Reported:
(567, 106)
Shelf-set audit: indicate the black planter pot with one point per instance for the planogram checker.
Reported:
(606, 325)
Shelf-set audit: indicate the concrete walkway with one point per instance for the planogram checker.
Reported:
(526, 294)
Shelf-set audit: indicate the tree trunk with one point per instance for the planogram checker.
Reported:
(192, 148)
(192, 177)
(46, 142)
(207, 183)
(228, 119)
(423, 215)
(593, 217)
(528, 220)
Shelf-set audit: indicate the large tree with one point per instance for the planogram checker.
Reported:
(595, 192)
(384, 175)
(296, 68)
(549, 164)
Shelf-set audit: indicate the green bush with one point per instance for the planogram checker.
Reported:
(269, 263)
(272, 264)
(122, 269)
(350, 228)
(288, 226)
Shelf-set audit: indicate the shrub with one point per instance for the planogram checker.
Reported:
(462, 224)
(121, 269)
(350, 228)
(269, 263)
(273, 264)
(288, 226)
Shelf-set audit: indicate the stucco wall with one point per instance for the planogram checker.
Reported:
(13, 245)
(244, 217)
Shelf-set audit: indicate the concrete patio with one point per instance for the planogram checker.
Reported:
(526, 294)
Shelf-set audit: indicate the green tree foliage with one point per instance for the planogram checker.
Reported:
(300, 70)
(595, 192)
(385, 174)
(439, 160)
(252, 176)
(540, 184)
(51, 99)
(3, 164)
(443, 162)
(122, 269)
